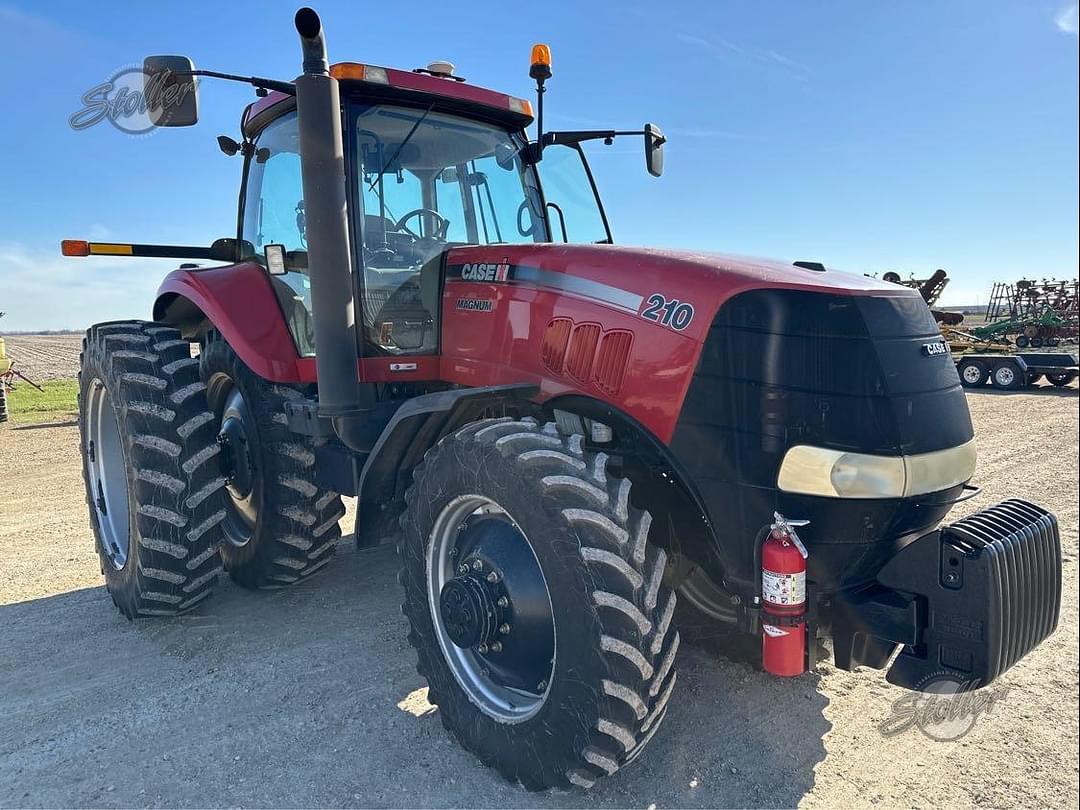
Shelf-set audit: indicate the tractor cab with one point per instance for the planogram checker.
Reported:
(431, 164)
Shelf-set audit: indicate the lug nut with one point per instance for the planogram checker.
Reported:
(493, 577)
(463, 569)
(496, 646)
(540, 687)
(502, 601)
(483, 648)
(504, 629)
(477, 565)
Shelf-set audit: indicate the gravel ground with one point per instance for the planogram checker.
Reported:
(308, 697)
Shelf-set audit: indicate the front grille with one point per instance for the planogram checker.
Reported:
(1021, 544)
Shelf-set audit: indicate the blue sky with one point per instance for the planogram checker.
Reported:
(870, 136)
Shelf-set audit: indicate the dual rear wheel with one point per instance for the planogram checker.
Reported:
(190, 470)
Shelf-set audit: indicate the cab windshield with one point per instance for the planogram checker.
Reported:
(425, 181)
(429, 180)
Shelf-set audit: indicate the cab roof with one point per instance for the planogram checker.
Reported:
(390, 84)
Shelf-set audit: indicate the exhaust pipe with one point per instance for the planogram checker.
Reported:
(342, 398)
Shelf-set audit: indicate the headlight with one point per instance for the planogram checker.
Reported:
(835, 474)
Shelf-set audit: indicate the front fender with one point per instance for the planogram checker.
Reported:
(239, 302)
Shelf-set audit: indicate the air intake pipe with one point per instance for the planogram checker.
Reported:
(342, 398)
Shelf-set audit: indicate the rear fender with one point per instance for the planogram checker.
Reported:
(238, 302)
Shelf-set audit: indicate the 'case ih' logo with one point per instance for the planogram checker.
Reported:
(485, 272)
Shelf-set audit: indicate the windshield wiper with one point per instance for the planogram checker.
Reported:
(401, 146)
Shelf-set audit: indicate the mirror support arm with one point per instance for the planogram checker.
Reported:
(255, 81)
(578, 136)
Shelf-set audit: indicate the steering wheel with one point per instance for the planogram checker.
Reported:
(531, 229)
(438, 219)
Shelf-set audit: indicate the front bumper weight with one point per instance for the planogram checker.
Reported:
(966, 601)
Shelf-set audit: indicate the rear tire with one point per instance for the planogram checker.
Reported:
(972, 373)
(604, 690)
(149, 451)
(281, 526)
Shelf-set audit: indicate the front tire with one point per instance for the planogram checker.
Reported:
(149, 458)
(590, 682)
(281, 526)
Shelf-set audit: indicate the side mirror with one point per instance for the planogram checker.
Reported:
(654, 150)
(170, 91)
(505, 154)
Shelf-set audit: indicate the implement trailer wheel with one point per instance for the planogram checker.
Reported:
(536, 603)
(149, 454)
(1061, 380)
(1007, 376)
(280, 526)
(973, 374)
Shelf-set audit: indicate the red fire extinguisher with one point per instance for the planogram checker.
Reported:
(783, 593)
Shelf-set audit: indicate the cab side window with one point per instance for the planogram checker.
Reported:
(572, 205)
(274, 214)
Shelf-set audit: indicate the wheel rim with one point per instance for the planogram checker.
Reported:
(972, 374)
(1004, 376)
(491, 608)
(108, 475)
(243, 478)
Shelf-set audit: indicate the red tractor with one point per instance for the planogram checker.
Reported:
(425, 309)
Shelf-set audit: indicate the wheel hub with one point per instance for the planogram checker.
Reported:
(491, 608)
(237, 465)
(470, 611)
(238, 459)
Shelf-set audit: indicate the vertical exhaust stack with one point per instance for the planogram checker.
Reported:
(322, 161)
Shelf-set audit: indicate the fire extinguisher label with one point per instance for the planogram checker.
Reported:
(783, 589)
(775, 632)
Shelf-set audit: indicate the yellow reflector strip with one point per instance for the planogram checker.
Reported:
(109, 249)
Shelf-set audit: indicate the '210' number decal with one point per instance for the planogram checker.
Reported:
(668, 311)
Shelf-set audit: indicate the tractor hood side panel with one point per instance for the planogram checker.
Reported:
(542, 314)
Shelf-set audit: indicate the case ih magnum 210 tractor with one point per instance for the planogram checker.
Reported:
(582, 449)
